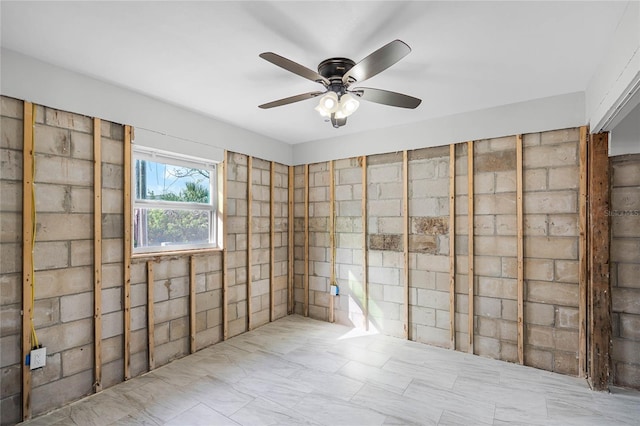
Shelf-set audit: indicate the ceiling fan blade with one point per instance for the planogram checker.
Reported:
(294, 67)
(290, 100)
(386, 97)
(377, 62)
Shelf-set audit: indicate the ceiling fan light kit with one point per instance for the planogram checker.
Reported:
(337, 75)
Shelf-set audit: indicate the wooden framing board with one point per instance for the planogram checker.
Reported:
(332, 237)
(97, 256)
(225, 279)
(405, 227)
(127, 250)
(272, 241)
(582, 254)
(452, 246)
(520, 242)
(28, 212)
(150, 317)
(290, 236)
(306, 240)
(470, 251)
(192, 304)
(599, 284)
(249, 236)
(365, 252)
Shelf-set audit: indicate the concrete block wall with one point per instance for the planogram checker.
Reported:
(236, 242)
(495, 249)
(551, 216)
(281, 240)
(64, 264)
(462, 248)
(11, 144)
(299, 239)
(319, 241)
(350, 304)
(260, 242)
(625, 269)
(385, 243)
(429, 245)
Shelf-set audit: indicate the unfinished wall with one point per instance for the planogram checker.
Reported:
(625, 269)
(64, 265)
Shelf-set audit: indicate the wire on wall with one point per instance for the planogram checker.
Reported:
(34, 337)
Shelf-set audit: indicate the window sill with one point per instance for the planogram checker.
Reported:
(186, 252)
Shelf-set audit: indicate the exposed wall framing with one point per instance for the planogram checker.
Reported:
(249, 238)
(470, 216)
(150, 318)
(272, 242)
(520, 243)
(28, 211)
(97, 255)
(127, 250)
(452, 246)
(225, 261)
(290, 236)
(332, 237)
(306, 240)
(599, 241)
(192, 304)
(365, 250)
(583, 255)
(405, 241)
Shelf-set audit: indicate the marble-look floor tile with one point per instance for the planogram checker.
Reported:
(298, 371)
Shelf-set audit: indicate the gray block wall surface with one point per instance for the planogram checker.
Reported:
(625, 269)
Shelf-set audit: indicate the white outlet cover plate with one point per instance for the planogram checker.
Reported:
(38, 358)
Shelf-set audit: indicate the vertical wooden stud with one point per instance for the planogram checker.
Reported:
(599, 284)
(583, 254)
(272, 241)
(405, 227)
(365, 253)
(452, 246)
(471, 255)
(225, 278)
(249, 237)
(27, 252)
(97, 256)
(520, 242)
(290, 235)
(127, 251)
(150, 317)
(192, 304)
(332, 237)
(306, 240)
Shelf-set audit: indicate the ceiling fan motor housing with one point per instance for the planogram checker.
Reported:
(334, 69)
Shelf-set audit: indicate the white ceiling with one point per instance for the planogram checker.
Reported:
(203, 56)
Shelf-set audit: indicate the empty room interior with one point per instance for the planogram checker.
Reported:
(310, 212)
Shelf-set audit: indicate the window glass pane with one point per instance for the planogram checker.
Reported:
(161, 181)
(170, 227)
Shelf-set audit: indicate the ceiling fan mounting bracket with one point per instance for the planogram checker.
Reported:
(334, 69)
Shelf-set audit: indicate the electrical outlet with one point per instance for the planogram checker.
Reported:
(38, 358)
(335, 290)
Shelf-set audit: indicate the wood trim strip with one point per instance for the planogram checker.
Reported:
(599, 284)
(192, 304)
(452, 246)
(365, 251)
(471, 254)
(405, 216)
(150, 317)
(306, 240)
(127, 250)
(583, 255)
(225, 278)
(520, 242)
(27, 251)
(332, 238)
(97, 255)
(249, 238)
(290, 236)
(272, 241)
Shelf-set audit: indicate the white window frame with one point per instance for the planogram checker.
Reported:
(174, 159)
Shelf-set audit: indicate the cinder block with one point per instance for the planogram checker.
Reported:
(51, 255)
(61, 392)
(535, 225)
(565, 363)
(66, 336)
(564, 177)
(81, 145)
(630, 326)
(627, 375)
(68, 120)
(76, 306)
(11, 163)
(534, 180)
(486, 346)
(76, 360)
(567, 317)
(68, 171)
(550, 155)
(566, 340)
(11, 320)
(497, 287)
(52, 140)
(624, 173)
(178, 328)
(112, 324)
(112, 200)
(504, 203)
(11, 107)
(538, 269)
(626, 251)
(539, 314)
(551, 247)
(553, 293)
(496, 161)
(566, 271)
(433, 336)
(59, 282)
(61, 226)
(53, 198)
(626, 300)
(11, 200)
(560, 136)
(563, 225)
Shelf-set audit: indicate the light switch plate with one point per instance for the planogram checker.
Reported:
(38, 358)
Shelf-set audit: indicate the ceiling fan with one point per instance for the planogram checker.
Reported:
(337, 75)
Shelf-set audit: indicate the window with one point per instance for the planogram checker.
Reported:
(175, 202)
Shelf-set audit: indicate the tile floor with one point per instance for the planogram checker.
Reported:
(300, 371)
